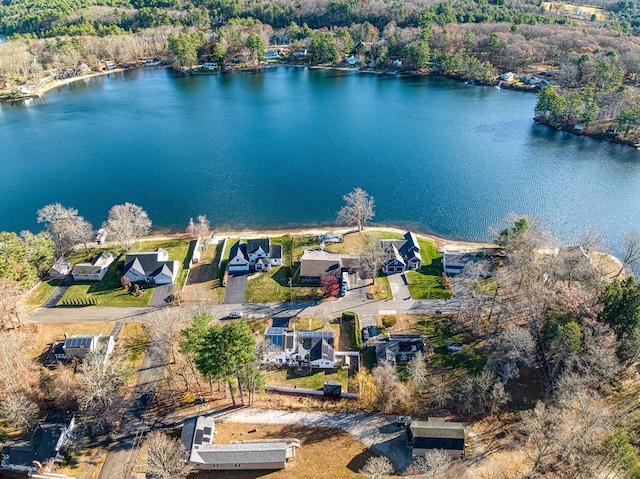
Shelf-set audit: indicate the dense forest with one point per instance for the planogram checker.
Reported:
(591, 51)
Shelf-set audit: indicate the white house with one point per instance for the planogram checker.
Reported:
(60, 268)
(352, 60)
(271, 55)
(151, 267)
(254, 254)
(313, 349)
(402, 254)
(508, 77)
(79, 345)
(94, 269)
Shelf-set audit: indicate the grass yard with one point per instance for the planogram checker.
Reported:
(46, 334)
(109, 292)
(426, 286)
(42, 292)
(453, 365)
(381, 288)
(572, 9)
(134, 338)
(347, 455)
(314, 379)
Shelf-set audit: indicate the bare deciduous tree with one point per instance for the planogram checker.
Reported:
(630, 245)
(512, 347)
(358, 208)
(481, 393)
(18, 372)
(65, 226)
(392, 393)
(18, 411)
(166, 457)
(434, 464)
(372, 256)
(417, 369)
(101, 392)
(10, 294)
(377, 467)
(126, 223)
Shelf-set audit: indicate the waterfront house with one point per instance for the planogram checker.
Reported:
(60, 268)
(436, 433)
(151, 267)
(94, 269)
(508, 77)
(271, 55)
(48, 439)
(203, 453)
(402, 254)
(315, 265)
(254, 255)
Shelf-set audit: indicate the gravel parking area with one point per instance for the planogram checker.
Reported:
(378, 432)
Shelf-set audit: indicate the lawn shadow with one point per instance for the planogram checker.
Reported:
(359, 461)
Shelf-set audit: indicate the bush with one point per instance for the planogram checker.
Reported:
(389, 321)
(352, 317)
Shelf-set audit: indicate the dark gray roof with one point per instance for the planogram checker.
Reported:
(148, 263)
(399, 344)
(242, 453)
(275, 251)
(436, 433)
(40, 447)
(254, 244)
(239, 247)
(318, 343)
(405, 249)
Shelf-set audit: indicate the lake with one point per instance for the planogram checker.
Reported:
(281, 147)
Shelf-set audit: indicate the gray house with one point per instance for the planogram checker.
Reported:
(403, 254)
(151, 267)
(198, 439)
(94, 269)
(400, 348)
(44, 446)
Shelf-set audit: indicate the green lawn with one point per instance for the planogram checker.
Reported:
(427, 282)
(109, 292)
(273, 286)
(291, 377)
(381, 289)
(42, 292)
(470, 360)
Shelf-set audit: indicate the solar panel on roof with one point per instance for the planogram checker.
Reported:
(315, 334)
(274, 330)
(276, 340)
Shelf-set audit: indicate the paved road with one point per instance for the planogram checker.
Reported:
(73, 314)
(235, 289)
(399, 288)
(122, 452)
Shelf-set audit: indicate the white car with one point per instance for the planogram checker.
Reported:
(235, 315)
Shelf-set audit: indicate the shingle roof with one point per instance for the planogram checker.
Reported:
(314, 263)
(148, 263)
(436, 433)
(242, 453)
(275, 251)
(254, 244)
(239, 249)
(405, 249)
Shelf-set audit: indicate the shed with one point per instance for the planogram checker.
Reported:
(436, 433)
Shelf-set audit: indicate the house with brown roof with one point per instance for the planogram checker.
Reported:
(316, 264)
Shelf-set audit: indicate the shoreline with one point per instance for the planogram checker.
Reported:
(253, 233)
(41, 91)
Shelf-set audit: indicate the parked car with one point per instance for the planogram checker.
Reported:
(403, 420)
(235, 315)
(365, 334)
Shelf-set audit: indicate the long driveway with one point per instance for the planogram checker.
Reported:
(399, 288)
(235, 289)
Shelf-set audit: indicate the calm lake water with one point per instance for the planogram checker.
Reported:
(280, 148)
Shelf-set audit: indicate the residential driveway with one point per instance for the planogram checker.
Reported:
(378, 432)
(58, 293)
(160, 295)
(356, 289)
(399, 288)
(236, 287)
